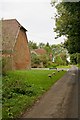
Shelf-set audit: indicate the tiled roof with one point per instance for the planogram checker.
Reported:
(10, 30)
(40, 51)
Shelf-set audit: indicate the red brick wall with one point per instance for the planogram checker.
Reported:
(21, 54)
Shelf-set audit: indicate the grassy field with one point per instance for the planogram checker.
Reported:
(22, 88)
(61, 66)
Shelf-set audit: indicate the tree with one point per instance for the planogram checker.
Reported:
(41, 45)
(48, 48)
(44, 59)
(73, 58)
(35, 61)
(32, 45)
(58, 60)
(67, 23)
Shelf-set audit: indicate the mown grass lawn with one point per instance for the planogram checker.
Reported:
(22, 88)
(61, 66)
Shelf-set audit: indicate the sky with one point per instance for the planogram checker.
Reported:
(37, 16)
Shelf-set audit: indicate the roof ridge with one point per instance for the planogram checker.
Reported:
(8, 19)
(14, 19)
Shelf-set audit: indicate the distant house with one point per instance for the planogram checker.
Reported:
(42, 51)
(39, 51)
(15, 48)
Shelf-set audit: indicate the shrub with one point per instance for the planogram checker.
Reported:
(3, 66)
(35, 61)
(75, 58)
(78, 58)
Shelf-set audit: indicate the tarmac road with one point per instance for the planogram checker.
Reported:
(61, 101)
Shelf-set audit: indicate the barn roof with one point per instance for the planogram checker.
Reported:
(10, 30)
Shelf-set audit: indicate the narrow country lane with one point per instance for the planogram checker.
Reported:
(61, 101)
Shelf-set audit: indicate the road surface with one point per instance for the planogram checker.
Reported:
(61, 101)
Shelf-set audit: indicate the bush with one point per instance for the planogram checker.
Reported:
(35, 61)
(0, 67)
(44, 59)
(78, 58)
(75, 58)
(58, 60)
(51, 64)
(3, 66)
(12, 87)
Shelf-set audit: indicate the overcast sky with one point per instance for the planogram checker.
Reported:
(34, 15)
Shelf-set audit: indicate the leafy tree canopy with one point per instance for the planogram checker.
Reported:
(67, 24)
(32, 45)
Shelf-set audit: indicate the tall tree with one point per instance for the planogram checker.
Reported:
(41, 45)
(67, 23)
(32, 45)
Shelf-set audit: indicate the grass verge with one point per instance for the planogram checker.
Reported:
(78, 65)
(61, 66)
(22, 88)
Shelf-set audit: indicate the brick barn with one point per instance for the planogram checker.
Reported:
(15, 50)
